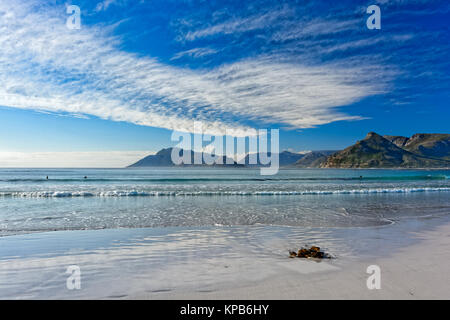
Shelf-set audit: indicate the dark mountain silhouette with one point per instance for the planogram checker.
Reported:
(285, 158)
(164, 159)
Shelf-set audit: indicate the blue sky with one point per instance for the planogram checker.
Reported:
(137, 70)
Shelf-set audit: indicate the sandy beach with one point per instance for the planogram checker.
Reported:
(420, 271)
(230, 263)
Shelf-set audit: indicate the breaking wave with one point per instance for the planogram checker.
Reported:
(137, 193)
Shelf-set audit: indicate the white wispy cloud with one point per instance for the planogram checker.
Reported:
(314, 28)
(194, 53)
(238, 24)
(45, 66)
(105, 4)
(103, 159)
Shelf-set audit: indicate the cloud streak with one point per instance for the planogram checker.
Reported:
(238, 25)
(194, 53)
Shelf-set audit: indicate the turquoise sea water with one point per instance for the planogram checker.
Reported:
(84, 199)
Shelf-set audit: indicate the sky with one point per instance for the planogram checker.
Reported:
(114, 90)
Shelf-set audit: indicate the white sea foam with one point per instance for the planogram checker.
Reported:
(137, 193)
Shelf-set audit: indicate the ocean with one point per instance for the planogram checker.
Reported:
(195, 229)
(85, 199)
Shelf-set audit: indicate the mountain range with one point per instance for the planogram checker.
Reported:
(376, 151)
(421, 150)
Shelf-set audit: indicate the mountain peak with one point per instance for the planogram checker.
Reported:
(164, 151)
(372, 134)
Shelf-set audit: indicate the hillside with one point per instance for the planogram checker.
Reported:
(376, 151)
(429, 145)
(314, 159)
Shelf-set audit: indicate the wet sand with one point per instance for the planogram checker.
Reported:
(419, 271)
(230, 262)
